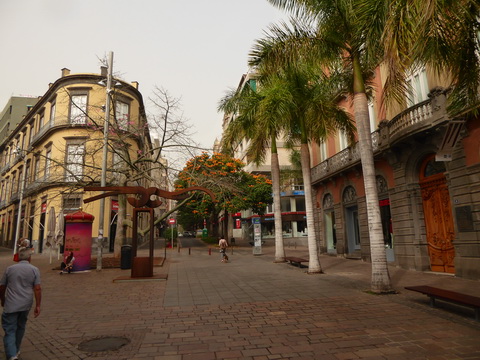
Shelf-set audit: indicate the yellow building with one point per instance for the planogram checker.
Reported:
(57, 149)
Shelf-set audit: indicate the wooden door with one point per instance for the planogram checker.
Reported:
(438, 221)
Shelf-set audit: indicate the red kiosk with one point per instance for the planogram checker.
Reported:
(78, 238)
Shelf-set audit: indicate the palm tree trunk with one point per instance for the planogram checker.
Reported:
(380, 275)
(277, 211)
(313, 261)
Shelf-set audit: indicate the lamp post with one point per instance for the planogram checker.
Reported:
(20, 199)
(103, 181)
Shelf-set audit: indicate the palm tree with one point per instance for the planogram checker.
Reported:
(442, 34)
(297, 102)
(256, 119)
(304, 98)
(313, 116)
(335, 38)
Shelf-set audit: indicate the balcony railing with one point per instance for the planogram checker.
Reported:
(413, 116)
(58, 122)
(427, 114)
(64, 121)
(5, 168)
(341, 160)
(14, 197)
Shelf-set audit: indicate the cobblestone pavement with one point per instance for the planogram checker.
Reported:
(249, 308)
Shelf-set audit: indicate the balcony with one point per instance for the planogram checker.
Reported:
(341, 161)
(45, 128)
(15, 197)
(426, 115)
(65, 122)
(42, 132)
(5, 168)
(33, 186)
(10, 164)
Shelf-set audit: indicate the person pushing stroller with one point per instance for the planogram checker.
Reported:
(67, 264)
(222, 243)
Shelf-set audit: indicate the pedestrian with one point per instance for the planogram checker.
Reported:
(19, 284)
(222, 243)
(67, 264)
(25, 243)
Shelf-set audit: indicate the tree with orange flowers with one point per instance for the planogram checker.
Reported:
(234, 189)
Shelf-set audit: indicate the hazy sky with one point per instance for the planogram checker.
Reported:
(195, 49)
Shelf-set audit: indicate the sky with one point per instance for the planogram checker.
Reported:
(194, 49)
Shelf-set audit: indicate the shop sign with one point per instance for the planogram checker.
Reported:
(384, 202)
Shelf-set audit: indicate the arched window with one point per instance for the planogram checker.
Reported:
(433, 167)
(327, 201)
(382, 186)
(349, 195)
(430, 169)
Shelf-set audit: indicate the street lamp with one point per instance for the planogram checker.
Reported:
(103, 181)
(19, 152)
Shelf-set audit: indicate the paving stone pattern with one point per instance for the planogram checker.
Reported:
(249, 308)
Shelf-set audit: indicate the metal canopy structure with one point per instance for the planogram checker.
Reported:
(142, 202)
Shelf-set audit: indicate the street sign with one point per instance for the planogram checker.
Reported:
(171, 221)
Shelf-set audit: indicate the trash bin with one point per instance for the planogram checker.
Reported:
(126, 257)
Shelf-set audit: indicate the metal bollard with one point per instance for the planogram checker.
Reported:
(189, 251)
(209, 251)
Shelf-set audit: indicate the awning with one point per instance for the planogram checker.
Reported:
(452, 134)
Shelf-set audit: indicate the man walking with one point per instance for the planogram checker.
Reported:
(19, 284)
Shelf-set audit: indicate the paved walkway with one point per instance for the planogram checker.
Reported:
(249, 308)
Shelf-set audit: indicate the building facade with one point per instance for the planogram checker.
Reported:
(56, 150)
(428, 171)
(13, 113)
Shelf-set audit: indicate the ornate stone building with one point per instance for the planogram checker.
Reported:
(428, 172)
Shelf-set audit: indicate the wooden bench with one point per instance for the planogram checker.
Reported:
(295, 260)
(448, 295)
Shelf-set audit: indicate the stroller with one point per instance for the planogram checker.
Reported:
(67, 265)
(224, 255)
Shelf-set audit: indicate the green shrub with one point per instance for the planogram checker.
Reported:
(168, 234)
(210, 240)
